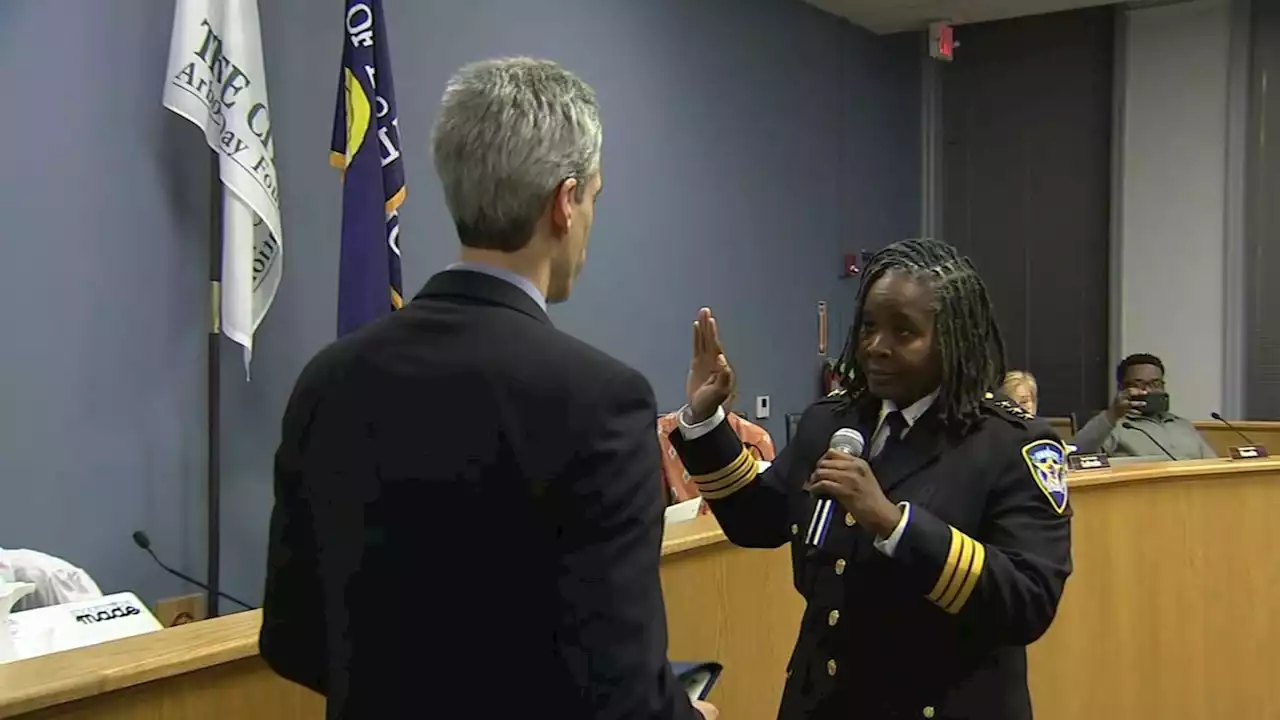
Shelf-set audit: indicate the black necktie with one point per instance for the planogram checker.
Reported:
(895, 424)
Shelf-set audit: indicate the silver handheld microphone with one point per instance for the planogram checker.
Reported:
(847, 441)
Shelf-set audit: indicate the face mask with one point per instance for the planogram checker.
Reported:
(1157, 403)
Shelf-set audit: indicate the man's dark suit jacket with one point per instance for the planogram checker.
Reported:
(468, 520)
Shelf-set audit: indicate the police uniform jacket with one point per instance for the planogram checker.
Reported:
(938, 629)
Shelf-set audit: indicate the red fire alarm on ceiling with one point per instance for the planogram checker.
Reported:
(942, 42)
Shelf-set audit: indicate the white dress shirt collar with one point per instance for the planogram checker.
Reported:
(518, 280)
(910, 413)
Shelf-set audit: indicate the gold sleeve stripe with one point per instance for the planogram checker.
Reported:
(742, 472)
(729, 480)
(949, 567)
(970, 582)
(725, 475)
(962, 571)
(743, 481)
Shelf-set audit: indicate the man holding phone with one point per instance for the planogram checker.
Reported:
(1138, 423)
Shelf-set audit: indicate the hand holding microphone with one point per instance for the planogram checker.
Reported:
(847, 478)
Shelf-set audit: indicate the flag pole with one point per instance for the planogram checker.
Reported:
(213, 424)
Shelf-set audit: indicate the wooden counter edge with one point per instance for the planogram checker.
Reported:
(699, 532)
(29, 685)
(1245, 426)
(1169, 472)
(42, 682)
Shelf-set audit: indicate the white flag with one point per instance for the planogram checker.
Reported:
(217, 81)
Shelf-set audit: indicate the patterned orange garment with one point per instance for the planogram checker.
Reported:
(676, 479)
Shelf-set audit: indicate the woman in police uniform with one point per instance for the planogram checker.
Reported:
(930, 562)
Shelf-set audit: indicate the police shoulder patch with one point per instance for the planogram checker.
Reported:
(1047, 460)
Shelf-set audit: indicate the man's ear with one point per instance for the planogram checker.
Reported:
(563, 205)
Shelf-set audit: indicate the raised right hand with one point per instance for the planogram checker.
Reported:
(708, 710)
(1128, 400)
(711, 379)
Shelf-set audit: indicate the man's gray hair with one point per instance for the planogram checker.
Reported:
(508, 133)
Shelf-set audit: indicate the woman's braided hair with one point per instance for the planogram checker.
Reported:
(965, 328)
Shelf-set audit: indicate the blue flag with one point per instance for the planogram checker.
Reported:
(366, 147)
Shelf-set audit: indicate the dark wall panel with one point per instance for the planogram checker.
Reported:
(1262, 220)
(1026, 189)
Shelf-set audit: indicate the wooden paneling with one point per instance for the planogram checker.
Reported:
(1062, 426)
(202, 671)
(724, 603)
(1170, 614)
(736, 606)
(1222, 438)
(241, 689)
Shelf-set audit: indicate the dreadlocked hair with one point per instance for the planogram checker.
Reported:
(965, 327)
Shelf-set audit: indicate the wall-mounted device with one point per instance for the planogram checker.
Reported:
(822, 328)
(942, 41)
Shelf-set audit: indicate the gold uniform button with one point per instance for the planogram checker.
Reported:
(833, 617)
(831, 667)
(928, 711)
(848, 520)
(795, 529)
(840, 563)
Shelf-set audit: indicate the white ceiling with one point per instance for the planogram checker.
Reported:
(887, 16)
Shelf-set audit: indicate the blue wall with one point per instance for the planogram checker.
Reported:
(748, 144)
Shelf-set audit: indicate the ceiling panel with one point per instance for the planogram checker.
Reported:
(888, 16)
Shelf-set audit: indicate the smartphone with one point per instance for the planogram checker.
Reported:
(1157, 403)
(697, 678)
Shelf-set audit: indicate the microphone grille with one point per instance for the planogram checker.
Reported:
(847, 439)
(141, 540)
